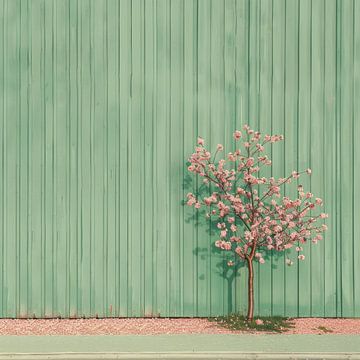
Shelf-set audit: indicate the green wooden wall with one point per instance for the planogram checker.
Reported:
(101, 103)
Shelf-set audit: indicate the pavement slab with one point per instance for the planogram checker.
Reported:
(181, 347)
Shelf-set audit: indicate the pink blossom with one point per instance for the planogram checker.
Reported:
(220, 147)
(238, 250)
(267, 138)
(218, 243)
(233, 228)
(230, 263)
(230, 219)
(324, 216)
(295, 174)
(197, 205)
(237, 134)
(223, 233)
(259, 322)
(200, 141)
(261, 260)
(308, 171)
(301, 257)
(260, 147)
(249, 162)
(318, 201)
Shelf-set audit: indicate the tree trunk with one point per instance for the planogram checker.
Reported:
(250, 314)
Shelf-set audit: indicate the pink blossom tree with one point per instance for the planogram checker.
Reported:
(252, 216)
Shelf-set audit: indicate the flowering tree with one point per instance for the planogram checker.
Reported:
(251, 215)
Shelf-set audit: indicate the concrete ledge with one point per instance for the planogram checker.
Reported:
(179, 356)
(180, 347)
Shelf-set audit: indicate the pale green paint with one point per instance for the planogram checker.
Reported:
(101, 103)
(184, 345)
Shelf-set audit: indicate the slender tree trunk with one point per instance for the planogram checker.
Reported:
(250, 314)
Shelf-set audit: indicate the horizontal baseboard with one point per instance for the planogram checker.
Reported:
(178, 355)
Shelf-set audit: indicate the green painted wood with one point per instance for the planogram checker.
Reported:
(101, 103)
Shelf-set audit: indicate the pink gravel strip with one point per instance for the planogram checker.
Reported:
(156, 326)
(336, 326)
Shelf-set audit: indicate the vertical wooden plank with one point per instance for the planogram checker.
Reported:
(220, 285)
(265, 122)
(229, 99)
(278, 150)
(317, 153)
(254, 61)
(62, 166)
(136, 153)
(48, 158)
(253, 103)
(291, 129)
(17, 113)
(43, 164)
(123, 175)
(36, 149)
(3, 148)
(99, 128)
(329, 176)
(85, 157)
(338, 265)
(347, 157)
(190, 115)
(93, 162)
(162, 155)
(204, 130)
(23, 153)
(79, 157)
(73, 219)
(242, 114)
(304, 143)
(176, 136)
(356, 152)
(112, 155)
(149, 186)
(10, 155)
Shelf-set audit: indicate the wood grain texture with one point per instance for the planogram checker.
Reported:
(101, 102)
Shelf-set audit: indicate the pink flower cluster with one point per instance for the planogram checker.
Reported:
(252, 215)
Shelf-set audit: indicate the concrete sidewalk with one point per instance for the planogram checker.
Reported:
(181, 347)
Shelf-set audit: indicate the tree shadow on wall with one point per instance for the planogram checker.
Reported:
(209, 226)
